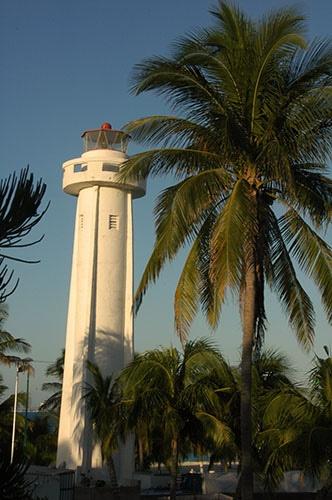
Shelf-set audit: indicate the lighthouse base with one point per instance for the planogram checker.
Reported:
(124, 466)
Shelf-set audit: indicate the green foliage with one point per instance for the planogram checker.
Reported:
(20, 199)
(13, 484)
(103, 399)
(42, 440)
(297, 427)
(6, 420)
(8, 342)
(171, 396)
(254, 136)
(53, 403)
(192, 398)
(248, 149)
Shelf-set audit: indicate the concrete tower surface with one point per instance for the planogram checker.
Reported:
(100, 323)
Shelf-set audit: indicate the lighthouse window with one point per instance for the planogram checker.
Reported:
(79, 167)
(81, 221)
(113, 221)
(107, 167)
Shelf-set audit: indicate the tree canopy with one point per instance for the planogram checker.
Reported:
(20, 200)
(249, 147)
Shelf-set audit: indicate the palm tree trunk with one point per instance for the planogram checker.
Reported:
(211, 462)
(325, 490)
(174, 467)
(140, 453)
(248, 319)
(112, 473)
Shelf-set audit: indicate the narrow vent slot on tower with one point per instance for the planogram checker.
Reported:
(113, 221)
(81, 219)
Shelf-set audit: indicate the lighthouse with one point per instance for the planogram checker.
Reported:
(99, 322)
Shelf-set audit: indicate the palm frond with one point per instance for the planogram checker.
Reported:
(179, 215)
(232, 229)
(201, 353)
(198, 50)
(295, 300)
(312, 193)
(175, 161)
(56, 369)
(277, 35)
(184, 86)
(311, 68)
(216, 430)
(54, 401)
(313, 254)
(318, 449)
(167, 130)
(210, 303)
(307, 127)
(233, 26)
(10, 343)
(186, 297)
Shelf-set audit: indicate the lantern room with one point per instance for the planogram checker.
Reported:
(105, 138)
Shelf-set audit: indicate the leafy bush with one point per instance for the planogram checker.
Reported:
(13, 485)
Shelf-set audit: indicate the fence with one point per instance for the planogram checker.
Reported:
(51, 483)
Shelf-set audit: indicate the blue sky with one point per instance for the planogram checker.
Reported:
(65, 67)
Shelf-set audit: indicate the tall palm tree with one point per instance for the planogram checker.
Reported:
(42, 440)
(271, 376)
(172, 392)
(6, 420)
(319, 461)
(8, 342)
(55, 369)
(298, 428)
(249, 155)
(103, 397)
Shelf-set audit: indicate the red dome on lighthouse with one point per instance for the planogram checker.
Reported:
(106, 126)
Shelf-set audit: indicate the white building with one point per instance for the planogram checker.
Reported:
(100, 323)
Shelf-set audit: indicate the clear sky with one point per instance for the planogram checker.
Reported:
(65, 67)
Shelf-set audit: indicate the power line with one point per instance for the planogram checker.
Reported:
(40, 361)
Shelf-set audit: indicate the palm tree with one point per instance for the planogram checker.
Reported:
(171, 394)
(298, 425)
(13, 481)
(320, 438)
(55, 369)
(271, 375)
(103, 397)
(8, 342)
(249, 155)
(6, 420)
(42, 439)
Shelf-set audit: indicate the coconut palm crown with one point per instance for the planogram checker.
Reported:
(8, 342)
(171, 393)
(249, 147)
(297, 429)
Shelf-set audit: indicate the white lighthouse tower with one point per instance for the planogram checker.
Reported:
(100, 323)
